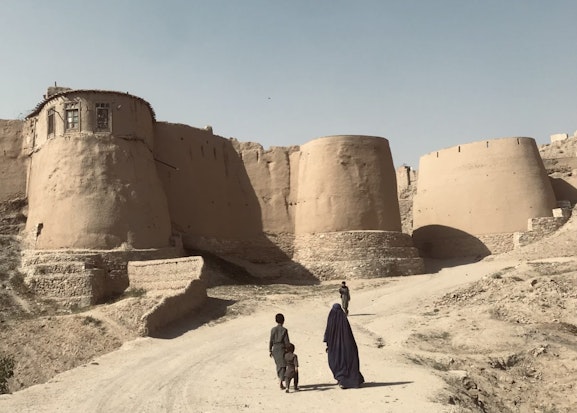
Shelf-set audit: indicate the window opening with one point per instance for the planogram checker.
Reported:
(102, 117)
(50, 121)
(72, 116)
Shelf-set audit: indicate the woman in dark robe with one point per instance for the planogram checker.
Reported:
(342, 349)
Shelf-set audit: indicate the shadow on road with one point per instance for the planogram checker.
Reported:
(329, 386)
(385, 384)
(317, 387)
(213, 309)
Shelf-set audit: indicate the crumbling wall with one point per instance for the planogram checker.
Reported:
(79, 278)
(270, 172)
(176, 287)
(13, 162)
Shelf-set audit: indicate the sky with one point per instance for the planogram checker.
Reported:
(424, 74)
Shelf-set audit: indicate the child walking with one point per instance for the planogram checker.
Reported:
(292, 367)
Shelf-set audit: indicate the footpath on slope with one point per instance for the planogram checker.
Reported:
(224, 366)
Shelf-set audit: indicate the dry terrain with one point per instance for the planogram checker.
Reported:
(499, 335)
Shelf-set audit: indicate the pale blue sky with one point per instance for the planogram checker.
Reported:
(425, 74)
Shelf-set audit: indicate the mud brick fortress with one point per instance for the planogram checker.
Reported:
(103, 184)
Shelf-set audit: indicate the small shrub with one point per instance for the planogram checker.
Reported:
(91, 320)
(18, 284)
(499, 274)
(6, 371)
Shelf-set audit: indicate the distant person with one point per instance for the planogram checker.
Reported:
(343, 354)
(345, 296)
(292, 367)
(279, 341)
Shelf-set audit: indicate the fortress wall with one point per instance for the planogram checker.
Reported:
(346, 183)
(271, 174)
(208, 190)
(13, 163)
(96, 192)
(486, 187)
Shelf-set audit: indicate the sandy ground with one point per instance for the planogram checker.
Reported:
(223, 365)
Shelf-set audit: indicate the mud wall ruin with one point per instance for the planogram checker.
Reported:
(13, 161)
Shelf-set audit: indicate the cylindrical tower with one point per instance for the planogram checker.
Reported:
(481, 188)
(93, 182)
(347, 219)
(346, 183)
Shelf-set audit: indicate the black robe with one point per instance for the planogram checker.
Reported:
(342, 349)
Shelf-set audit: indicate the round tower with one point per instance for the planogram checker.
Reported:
(93, 182)
(347, 219)
(346, 183)
(468, 193)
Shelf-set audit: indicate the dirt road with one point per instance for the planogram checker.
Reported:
(224, 366)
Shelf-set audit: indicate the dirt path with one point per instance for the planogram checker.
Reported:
(224, 366)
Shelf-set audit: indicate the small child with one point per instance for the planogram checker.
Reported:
(292, 367)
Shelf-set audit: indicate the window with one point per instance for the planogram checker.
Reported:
(72, 116)
(50, 121)
(102, 117)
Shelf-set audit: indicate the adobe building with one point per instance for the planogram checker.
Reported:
(482, 198)
(107, 184)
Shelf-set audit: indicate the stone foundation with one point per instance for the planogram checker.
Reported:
(541, 227)
(466, 245)
(489, 244)
(357, 254)
(263, 249)
(79, 278)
